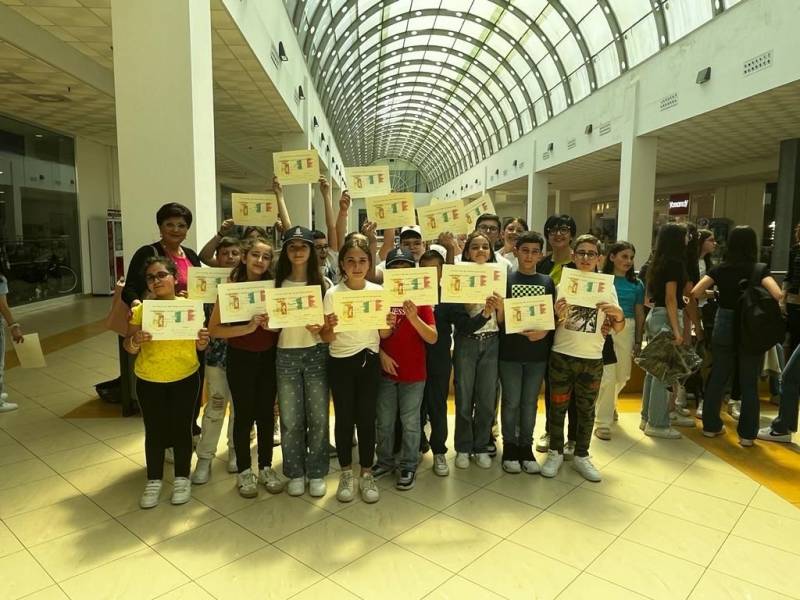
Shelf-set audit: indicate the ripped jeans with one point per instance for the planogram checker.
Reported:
(219, 398)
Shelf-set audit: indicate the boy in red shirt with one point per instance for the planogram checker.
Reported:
(403, 382)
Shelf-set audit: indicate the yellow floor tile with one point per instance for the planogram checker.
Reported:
(86, 549)
(681, 450)
(448, 542)
(649, 467)
(437, 492)
(140, 576)
(73, 438)
(51, 593)
(596, 510)
(675, 536)
(765, 566)
(326, 589)
(223, 496)
(493, 512)
(518, 579)
(458, 588)
(721, 485)
(714, 463)
(769, 529)
(208, 547)
(714, 585)
(768, 500)
(589, 587)
(350, 541)
(389, 517)
(475, 475)
(188, 591)
(166, 521)
(278, 518)
(22, 575)
(563, 539)
(699, 508)
(626, 486)
(28, 497)
(531, 489)
(83, 456)
(51, 522)
(9, 544)
(646, 571)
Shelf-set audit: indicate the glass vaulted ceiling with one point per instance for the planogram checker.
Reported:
(446, 83)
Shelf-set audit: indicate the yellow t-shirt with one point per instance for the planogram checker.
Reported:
(164, 361)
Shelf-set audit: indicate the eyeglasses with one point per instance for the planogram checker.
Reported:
(488, 228)
(586, 254)
(160, 276)
(322, 247)
(562, 230)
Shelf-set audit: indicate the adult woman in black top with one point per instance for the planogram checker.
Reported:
(791, 285)
(739, 264)
(174, 221)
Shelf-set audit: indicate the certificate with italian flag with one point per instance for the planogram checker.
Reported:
(202, 282)
(296, 166)
(172, 319)
(242, 301)
(360, 310)
(295, 306)
(440, 217)
(529, 313)
(365, 182)
(476, 208)
(255, 209)
(420, 285)
(471, 283)
(391, 211)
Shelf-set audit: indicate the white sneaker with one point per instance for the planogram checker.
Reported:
(202, 471)
(181, 490)
(169, 456)
(543, 445)
(248, 484)
(3, 396)
(271, 480)
(746, 442)
(643, 424)
(440, 466)
(317, 487)
(735, 409)
(667, 433)
(569, 450)
(512, 466)
(276, 433)
(346, 490)
(232, 466)
(7, 406)
(296, 486)
(584, 466)
(552, 464)
(683, 411)
(152, 490)
(462, 460)
(699, 412)
(369, 489)
(766, 433)
(483, 460)
(531, 467)
(680, 397)
(677, 420)
(713, 434)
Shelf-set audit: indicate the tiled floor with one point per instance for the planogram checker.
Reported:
(669, 520)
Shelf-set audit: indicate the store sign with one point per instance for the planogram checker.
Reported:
(678, 204)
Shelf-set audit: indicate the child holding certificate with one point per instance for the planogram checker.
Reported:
(354, 371)
(303, 384)
(167, 384)
(523, 360)
(576, 364)
(475, 363)
(250, 368)
(403, 382)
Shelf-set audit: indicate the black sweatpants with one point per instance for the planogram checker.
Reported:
(434, 405)
(354, 384)
(168, 413)
(253, 385)
(572, 411)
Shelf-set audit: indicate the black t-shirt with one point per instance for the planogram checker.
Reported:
(673, 270)
(516, 347)
(727, 277)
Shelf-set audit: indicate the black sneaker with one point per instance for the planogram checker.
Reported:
(491, 449)
(405, 481)
(424, 445)
(379, 470)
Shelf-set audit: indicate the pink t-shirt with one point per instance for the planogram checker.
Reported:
(183, 264)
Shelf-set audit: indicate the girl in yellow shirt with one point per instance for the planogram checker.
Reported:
(167, 384)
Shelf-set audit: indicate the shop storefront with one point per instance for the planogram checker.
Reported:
(39, 227)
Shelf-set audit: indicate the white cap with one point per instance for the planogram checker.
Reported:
(412, 228)
(440, 249)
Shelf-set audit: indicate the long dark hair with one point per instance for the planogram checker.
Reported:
(354, 242)
(702, 236)
(239, 272)
(742, 245)
(284, 267)
(616, 248)
(693, 253)
(475, 234)
(670, 247)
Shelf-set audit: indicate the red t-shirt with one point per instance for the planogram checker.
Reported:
(406, 346)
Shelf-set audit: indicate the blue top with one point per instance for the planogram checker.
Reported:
(629, 295)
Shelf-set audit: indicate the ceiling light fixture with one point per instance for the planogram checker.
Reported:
(300, 94)
(282, 52)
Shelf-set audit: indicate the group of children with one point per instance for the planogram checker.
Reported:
(388, 383)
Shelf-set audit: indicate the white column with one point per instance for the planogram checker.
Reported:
(165, 115)
(637, 188)
(537, 201)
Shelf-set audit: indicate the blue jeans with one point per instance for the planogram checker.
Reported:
(405, 398)
(655, 396)
(725, 359)
(303, 400)
(786, 420)
(475, 371)
(521, 382)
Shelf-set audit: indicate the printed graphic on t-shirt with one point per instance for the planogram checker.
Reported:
(581, 318)
(523, 290)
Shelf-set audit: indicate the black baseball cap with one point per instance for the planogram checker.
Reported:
(299, 233)
(399, 255)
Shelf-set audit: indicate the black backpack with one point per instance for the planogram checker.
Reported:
(761, 324)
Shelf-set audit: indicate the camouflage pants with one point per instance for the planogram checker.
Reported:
(579, 379)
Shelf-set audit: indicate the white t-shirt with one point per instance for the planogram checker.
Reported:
(296, 337)
(348, 343)
(501, 260)
(580, 335)
(511, 258)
